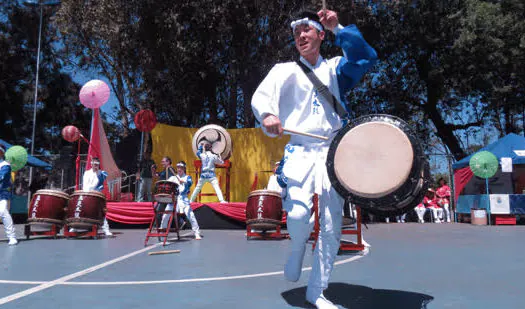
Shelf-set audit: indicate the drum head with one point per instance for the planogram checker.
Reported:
(265, 192)
(376, 162)
(56, 193)
(373, 159)
(90, 193)
(217, 136)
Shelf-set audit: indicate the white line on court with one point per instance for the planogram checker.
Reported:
(63, 279)
(209, 279)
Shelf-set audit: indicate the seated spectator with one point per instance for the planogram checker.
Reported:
(443, 198)
(432, 206)
(429, 201)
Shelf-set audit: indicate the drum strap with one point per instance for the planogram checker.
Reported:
(323, 90)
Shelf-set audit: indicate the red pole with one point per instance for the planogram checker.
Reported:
(77, 166)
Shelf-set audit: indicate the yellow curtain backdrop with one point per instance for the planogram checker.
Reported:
(253, 152)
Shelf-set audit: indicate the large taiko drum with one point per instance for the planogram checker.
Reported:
(219, 139)
(264, 210)
(86, 208)
(377, 162)
(48, 206)
(165, 191)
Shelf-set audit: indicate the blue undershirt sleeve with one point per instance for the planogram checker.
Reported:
(358, 58)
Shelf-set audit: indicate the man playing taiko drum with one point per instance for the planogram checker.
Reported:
(93, 180)
(287, 97)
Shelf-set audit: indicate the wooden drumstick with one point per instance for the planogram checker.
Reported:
(163, 252)
(306, 134)
(324, 8)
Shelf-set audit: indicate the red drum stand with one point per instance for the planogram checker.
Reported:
(93, 232)
(264, 235)
(227, 166)
(53, 232)
(344, 245)
(154, 229)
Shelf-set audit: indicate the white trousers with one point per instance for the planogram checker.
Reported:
(420, 211)
(446, 211)
(214, 182)
(298, 205)
(183, 206)
(437, 213)
(105, 226)
(9, 228)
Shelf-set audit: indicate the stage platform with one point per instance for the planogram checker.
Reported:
(409, 266)
(210, 215)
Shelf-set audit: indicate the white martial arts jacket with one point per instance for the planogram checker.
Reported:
(287, 93)
(92, 181)
(208, 160)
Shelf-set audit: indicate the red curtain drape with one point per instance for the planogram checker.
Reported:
(461, 178)
(142, 213)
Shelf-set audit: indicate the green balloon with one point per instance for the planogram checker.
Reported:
(484, 164)
(17, 157)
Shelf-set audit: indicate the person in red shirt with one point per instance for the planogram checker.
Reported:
(443, 198)
(431, 204)
(428, 203)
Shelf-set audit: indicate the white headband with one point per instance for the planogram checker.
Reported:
(306, 21)
(181, 164)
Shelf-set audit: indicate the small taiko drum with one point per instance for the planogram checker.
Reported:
(86, 208)
(48, 206)
(264, 210)
(377, 162)
(165, 191)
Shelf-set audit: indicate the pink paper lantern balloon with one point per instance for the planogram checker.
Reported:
(94, 94)
(70, 133)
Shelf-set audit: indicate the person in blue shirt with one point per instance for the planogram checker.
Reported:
(183, 203)
(208, 159)
(5, 197)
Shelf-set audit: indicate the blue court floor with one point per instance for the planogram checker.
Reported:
(409, 266)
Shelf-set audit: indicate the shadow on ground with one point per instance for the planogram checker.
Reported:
(361, 297)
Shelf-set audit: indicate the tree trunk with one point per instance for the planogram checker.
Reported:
(444, 131)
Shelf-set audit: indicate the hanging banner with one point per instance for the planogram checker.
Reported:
(506, 165)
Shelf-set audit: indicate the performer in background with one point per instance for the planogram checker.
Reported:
(208, 159)
(165, 174)
(5, 197)
(287, 97)
(443, 198)
(145, 177)
(183, 203)
(168, 170)
(93, 180)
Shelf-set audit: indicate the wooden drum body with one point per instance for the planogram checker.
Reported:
(86, 208)
(264, 210)
(48, 206)
(165, 191)
(377, 162)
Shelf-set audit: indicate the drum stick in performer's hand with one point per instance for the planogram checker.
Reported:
(305, 134)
